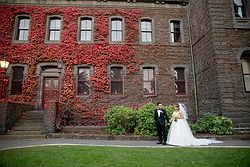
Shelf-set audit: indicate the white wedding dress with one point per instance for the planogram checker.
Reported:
(180, 133)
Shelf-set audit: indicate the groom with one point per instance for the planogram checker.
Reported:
(160, 116)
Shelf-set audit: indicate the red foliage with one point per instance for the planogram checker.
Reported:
(99, 54)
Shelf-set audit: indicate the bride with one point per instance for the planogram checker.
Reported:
(180, 133)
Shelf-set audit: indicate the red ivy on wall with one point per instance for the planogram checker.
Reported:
(99, 54)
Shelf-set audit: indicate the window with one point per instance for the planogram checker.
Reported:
(146, 31)
(175, 31)
(245, 62)
(241, 8)
(180, 84)
(54, 29)
(148, 81)
(116, 77)
(83, 85)
(86, 29)
(23, 25)
(116, 30)
(17, 80)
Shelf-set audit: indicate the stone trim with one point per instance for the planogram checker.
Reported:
(240, 52)
(40, 77)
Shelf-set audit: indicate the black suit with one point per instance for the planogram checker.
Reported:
(160, 124)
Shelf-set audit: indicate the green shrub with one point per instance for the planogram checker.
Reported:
(211, 123)
(146, 122)
(120, 120)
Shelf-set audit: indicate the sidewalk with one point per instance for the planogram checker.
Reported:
(19, 143)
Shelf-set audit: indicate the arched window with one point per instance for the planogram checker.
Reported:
(17, 80)
(22, 28)
(116, 80)
(116, 30)
(54, 29)
(245, 62)
(86, 29)
(175, 28)
(180, 82)
(146, 30)
(148, 80)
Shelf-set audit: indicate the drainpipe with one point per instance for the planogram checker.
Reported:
(192, 59)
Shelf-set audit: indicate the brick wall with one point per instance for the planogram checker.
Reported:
(216, 45)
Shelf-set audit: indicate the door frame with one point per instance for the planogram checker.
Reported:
(41, 74)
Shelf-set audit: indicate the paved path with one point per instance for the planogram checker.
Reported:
(19, 143)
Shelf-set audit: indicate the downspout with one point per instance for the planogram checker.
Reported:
(192, 59)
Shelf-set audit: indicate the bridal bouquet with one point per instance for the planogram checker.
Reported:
(175, 116)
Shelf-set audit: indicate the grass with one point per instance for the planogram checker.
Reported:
(76, 156)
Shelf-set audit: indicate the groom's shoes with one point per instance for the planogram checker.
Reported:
(159, 142)
(164, 143)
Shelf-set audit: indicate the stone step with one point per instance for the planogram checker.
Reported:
(30, 124)
(23, 137)
(30, 121)
(24, 132)
(84, 129)
(28, 128)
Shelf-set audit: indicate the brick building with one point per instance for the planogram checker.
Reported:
(96, 54)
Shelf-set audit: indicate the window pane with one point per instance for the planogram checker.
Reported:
(85, 36)
(119, 36)
(55, 24)
(238, 2)
(16, 87)
(116, 36)
(55, 84)
(180, 73)
(247, 82)
(245, 66)
(18, 73)
(116, 87)
(145, 74)
(146, 26)
(180, 88)
(86, 24)
(144, 37)
(177, 37)
(83, 73)
(23, 35)
(116, 25)
(116, 73)
(83, 88)
(24, 23)
(149, 39)
(143, 26)
(148, 87)
(54, 35)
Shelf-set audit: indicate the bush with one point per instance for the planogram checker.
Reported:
(211, 123)
(120, 120)
(146, 122)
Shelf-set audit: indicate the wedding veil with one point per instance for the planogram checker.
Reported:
(183, 109)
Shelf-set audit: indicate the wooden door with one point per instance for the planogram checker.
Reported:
(50, 90)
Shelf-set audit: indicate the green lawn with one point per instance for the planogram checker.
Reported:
(73, 156)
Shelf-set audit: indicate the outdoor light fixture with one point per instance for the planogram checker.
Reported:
(4, 64)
